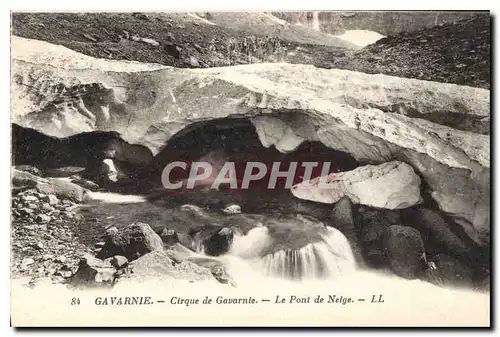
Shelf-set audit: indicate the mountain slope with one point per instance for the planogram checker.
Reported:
(451, 53)
(455, 53)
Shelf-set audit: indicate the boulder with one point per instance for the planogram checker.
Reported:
(43, 218)
(179, 253)
(131, 242)
(217, 268)
(119, 261)
(59, 187)
(63, 189)
(457, 191)
(342, 219)
(405, 251)
(63, 172)
(392, 185)
(30, 169)
(371, 242)
(232, 209)
(29, 198)
(219, 242)
(51, 199)
(93, 272)
(440, 236)
(23, 178)
(193, 61)
(157, 264)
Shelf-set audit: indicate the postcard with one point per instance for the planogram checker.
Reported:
(250, 169)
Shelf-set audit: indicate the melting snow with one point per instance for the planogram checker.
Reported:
(361, 38)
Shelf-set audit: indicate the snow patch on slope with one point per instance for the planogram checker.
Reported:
(361, 38)
(29, 50)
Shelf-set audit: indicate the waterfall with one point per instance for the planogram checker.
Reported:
(253, 244)
(315, 20)
(330, 258)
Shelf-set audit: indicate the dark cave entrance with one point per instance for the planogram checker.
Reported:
(235, 140)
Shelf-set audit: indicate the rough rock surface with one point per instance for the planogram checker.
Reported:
(438, 235)
(44, 237)
(391, 185)
(182, 37)
(92, 271)
(367, 116)
(342, 219)
(445, 271)
(157, 264)
(179, 253)
(58, 187)
(219, 242)
(371, 225)
(453, 52)
(132, 242)
(405, 250)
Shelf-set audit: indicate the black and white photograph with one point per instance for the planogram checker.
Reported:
(250, 169)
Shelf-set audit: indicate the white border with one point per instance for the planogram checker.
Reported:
(185, 5)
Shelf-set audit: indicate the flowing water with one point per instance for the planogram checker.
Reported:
(292, 247)
(330, 257)
(271, 249)
(286, 259)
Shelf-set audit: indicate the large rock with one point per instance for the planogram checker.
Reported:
(60, 187)
(464, 195)
(219, 242)
(392, 185)
(84, 153)
(157, 264)
(368, 116)
(405, 250)
(132, 242)
(440, 237)
(179, 253)
(30, 169)
(342, 219)
(373, 224)
(94, 272)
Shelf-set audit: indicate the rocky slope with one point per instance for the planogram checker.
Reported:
(53, 241)
(44, 236)
(452, 53)
(178, 39)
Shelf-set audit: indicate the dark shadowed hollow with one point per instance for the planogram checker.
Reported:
(218, 141)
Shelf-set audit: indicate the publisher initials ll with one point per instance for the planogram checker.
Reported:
(380, 299)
